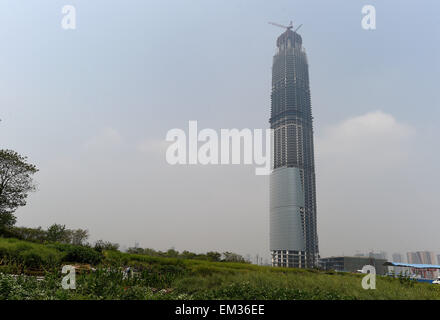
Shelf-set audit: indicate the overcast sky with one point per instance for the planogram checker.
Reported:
(92, 106)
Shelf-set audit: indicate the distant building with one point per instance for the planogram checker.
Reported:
(397, 257)
(416, 271)
(378, 255)
(413, 258)
(421, 257)
(438, 259)
(352, 264)
(359, 254)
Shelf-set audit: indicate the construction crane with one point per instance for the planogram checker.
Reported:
(289, 27)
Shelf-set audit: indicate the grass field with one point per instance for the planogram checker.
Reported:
(175, 278)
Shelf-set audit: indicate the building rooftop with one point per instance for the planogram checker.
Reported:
(412, 265)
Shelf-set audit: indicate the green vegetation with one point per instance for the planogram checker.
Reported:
(15, 185)
(171, 253)
(106, 273)
(156, 277)
(17, 256)
(55, 233)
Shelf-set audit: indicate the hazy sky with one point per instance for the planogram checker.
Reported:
(92, 106)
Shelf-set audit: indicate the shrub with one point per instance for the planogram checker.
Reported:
(31, 259)
(81, 254)
(28, 255)
(102, 245)
(29, 234)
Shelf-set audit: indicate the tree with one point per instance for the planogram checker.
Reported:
(233, 257)
(171, 253)
(29, 234)
(78, 236)
(188, 255)
(7, 220)
(102, 245)
(15, 184)
(58, 233)
(214, 256)
(135, 250)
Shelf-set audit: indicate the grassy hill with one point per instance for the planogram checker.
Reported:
(176, 278)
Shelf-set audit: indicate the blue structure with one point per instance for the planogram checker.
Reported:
(426, 271)
(415, 266)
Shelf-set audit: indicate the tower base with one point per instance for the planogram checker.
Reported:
(288, 258)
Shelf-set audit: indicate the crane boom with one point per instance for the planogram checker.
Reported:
(289, 27)
(297, 28)
(281, 26)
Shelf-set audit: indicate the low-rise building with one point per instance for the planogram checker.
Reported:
(352, 264)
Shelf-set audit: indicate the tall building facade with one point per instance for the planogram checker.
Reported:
(397, 257)
(293, 231)
(421, 257)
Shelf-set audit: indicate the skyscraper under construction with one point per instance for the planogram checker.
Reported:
(293, 232)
